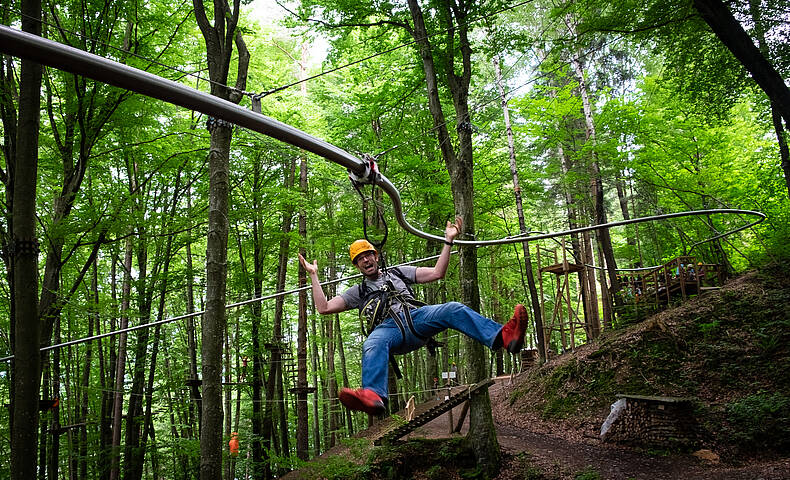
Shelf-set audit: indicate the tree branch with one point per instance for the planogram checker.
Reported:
(345, 25)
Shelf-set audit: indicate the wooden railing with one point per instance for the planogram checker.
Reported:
(680, 277)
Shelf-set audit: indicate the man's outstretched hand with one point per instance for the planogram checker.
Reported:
(452, 230)
(310, 268)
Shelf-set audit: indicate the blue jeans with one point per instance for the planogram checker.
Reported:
(386, 339)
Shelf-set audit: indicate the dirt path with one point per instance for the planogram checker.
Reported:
(563, 454)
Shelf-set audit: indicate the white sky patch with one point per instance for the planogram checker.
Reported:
(269, 13)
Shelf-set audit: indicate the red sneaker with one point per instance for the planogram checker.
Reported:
(513, 331)
(362, 399)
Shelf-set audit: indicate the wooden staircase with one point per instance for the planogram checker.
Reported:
(432, 413)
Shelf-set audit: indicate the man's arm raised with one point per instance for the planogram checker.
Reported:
(324, 306)
(430, 274)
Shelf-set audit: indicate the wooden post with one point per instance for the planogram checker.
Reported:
(450, 412)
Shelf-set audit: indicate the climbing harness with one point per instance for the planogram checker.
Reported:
(381, 303)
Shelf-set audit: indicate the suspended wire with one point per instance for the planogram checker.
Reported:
(196, 314)
(96, 41)
(161, 396)
(398, 47)
(8, 8)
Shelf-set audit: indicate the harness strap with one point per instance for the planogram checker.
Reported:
(395, 367)
(399, 323)
(405, 301)
(410, 322)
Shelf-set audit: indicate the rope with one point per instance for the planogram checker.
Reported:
(196, 314)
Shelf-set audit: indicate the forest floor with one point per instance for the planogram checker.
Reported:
(566, 451)
(537, 449)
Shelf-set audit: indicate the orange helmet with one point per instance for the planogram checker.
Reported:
(358, 247)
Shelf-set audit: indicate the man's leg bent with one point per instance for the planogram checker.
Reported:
(431, 320)
(375, 357)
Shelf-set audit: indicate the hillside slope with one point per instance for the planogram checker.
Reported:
(729, 349)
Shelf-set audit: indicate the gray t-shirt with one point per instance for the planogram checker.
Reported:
(354, 298)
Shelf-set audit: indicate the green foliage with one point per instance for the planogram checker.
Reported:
(588, 473)
(709, 328)
(527, 471)
(760, 421)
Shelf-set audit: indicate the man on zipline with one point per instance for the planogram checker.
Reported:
(396, 326)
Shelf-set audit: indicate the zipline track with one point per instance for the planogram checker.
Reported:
(25, 45)
(433, 413)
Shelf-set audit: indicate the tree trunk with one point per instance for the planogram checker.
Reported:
(302, 437)
(349, 419)
(214, 320)
(315, 361)
(138, 455)
(133, 462)
(195, 401)
(460, 167)
(120, 364)
(495, 308)
(107, 379)
(52, 434)
(227, 394)
(596, 190)
(220, 39)
(275, 369)
(302, 433)
(333, 405)
(26, 366)
(257, 353)
(83, 407)
(533, 291)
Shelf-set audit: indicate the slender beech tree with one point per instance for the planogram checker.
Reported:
(278, 346)
(460, 166)
(22, 175)
(596, 185)
(302, 434)
(220, 39)
(120, 363)
(522, 224)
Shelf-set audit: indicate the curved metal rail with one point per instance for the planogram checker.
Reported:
(47, 52)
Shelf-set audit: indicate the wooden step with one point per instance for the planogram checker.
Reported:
(432, 413)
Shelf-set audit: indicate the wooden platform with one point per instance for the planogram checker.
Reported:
(560, 268)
